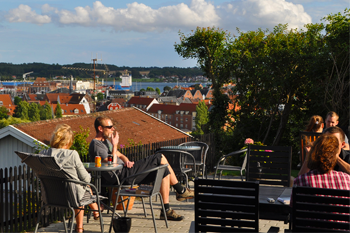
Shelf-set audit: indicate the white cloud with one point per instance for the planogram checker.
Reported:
(253, 14)
(25, 14)
(245, 14)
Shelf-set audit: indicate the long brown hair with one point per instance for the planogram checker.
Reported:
(315, 123)
(323, 154)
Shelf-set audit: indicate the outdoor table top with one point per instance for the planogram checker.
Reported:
(184, 148)
(104, 167)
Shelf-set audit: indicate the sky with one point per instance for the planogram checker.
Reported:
(135, 34)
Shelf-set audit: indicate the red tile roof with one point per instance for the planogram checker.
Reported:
(130, 123)
(187, 107)
(52, 97)
(69, 109)
(140, 100)
(166, 109)
(7, 103)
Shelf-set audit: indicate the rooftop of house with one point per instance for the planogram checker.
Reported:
(131, 123)
(140, 100)
(6, 100)
(166, 109)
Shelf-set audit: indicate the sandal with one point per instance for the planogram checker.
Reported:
(77, 229)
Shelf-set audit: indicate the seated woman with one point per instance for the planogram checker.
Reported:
(321, 162)
(315, 125)
(61, 141)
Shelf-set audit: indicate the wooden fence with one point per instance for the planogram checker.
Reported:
(20, 189)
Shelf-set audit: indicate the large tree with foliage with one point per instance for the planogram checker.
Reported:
(22, 110)
(158, 91)
(275, 73)
(17, 100)
(336, 56)
(211, 48)
(58, 111)
(3, 112)
(34, 112)
(45, 112)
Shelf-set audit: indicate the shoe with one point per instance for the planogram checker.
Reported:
(171, 215)
(97, 217)
(188, 194)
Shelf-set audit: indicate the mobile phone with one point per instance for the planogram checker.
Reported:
(270, 200)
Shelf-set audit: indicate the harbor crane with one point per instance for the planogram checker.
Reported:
(24, 75)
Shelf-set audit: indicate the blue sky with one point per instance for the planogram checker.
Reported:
(127, 33)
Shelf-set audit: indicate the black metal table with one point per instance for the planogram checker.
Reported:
(183, 148)
(277, 210)
(96, 171)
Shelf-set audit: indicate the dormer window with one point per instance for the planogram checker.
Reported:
(177, 112)
(76, 111)
(1, 103)
(187, 112)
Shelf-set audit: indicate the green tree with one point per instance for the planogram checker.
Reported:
(45, 112)
(167, 88)
(158, 91)
(21, 110)
(211, 48)
(11, 121)
(100, 96)
(150, 89)
(336, 58)
(80, 144)
(3, 112)
(197, 87)
(34, 112)
(202, 119)
(274, 74)
(17, 100)
(142, 89)
(58, 111)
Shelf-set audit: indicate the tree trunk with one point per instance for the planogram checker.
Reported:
(283, 121)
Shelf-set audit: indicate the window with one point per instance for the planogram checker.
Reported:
(76, 111)
(177, 118)
(186, 119)
(62, 111)
(181, 126)
(166, 117)
(1, 103)
(177, 125)
(186, 126)
(181, 120)
(177, 112)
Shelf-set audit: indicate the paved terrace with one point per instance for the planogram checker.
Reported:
(141, 224)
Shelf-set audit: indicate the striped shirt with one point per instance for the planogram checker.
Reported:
(331, 180)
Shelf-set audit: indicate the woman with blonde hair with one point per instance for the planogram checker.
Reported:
(61, 141)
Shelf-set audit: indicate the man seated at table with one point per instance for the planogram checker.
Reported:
(106, 142)
(342, 158)
(322, 160)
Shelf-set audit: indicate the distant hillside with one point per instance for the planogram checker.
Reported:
(7, 70)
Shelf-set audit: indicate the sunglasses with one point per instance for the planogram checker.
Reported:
(108, 126)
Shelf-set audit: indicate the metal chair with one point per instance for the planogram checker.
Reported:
(270, 165)
(226, 206)
(58, 189)
(176, 160)
(158, 172)
(320, 210)
(222, 166)
(200, 156)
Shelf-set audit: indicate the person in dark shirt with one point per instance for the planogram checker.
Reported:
(106, 142)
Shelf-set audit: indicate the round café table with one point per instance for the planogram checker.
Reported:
(183, 148)
(96, 171)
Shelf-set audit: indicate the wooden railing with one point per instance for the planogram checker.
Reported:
(20, 189)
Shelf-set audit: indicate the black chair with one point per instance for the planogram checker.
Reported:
(221, 166)
(226, 206)
(58, 189)
(176, 160)
(200, 156)
(320, 210)
(270, 165)
(158, 173)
